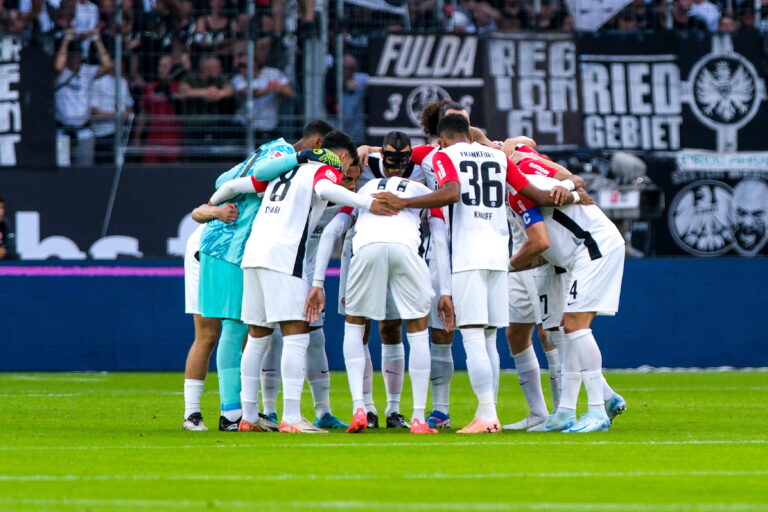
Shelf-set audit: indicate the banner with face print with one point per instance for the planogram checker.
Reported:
(717, 204)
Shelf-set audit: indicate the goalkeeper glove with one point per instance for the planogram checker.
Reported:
(322, 156)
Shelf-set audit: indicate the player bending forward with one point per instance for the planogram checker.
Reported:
(583, 241)
(386, 260)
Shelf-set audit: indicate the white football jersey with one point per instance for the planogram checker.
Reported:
(403, 228)
(430, 180)
(288, 214)
(375, 169)
(478, 221)
(314, 239)
(571, 228)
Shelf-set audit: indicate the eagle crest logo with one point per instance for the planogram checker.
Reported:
(725, 91)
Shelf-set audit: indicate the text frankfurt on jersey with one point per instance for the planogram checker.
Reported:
(476, 154)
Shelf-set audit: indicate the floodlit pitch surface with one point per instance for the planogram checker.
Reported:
(689, 441)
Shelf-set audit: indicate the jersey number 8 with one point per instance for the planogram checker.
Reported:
(282, 185)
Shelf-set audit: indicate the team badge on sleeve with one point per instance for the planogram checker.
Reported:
(331, 175)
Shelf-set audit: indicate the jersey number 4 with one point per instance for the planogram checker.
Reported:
(282, 185)
(490, 192)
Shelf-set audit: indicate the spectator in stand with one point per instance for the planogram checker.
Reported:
(73, 88)
(516, 15)
(458, 19)
(485, 17)
(727, 23)
(10, 17)
(206, 96)
(85, 22)
(353, 106)
(103, 103)
(6, 247)
(707, 12)
(269, 87)
(156, 41)
(681, 18)
(213, 33)
(626, 21)
(34, 15)
(157, 122)
(185, 34)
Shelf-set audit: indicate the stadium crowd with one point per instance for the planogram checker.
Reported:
(184, 61)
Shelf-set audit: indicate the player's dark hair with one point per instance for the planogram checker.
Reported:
(340, 141)
(397, 140)
(317, 127)
(450, 105)
(453, 125)
(2, 200)
(429, 117)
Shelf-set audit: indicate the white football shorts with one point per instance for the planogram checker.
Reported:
(552, 286)
(480, 297)
(192, 274)
(596, 284)
(380, 267)
(434, 317)
(270, 297)
(523, 298)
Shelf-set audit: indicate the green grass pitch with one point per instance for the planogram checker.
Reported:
(92, 442)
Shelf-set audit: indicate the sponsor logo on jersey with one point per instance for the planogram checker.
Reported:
(440, 171)
(331, 175)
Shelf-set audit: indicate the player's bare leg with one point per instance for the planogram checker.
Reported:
(393, 369)
(354, 361)
(418, 369)
(481, 377)
(207, 331)
(528, 374)
(440, 377)
(553, 363)
(259, 339)
(579, 336)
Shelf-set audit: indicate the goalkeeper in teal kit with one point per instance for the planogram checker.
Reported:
(221, 252)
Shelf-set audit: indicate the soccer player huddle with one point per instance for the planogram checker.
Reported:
(466, 234)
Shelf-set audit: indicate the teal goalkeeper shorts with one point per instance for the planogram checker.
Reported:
(221, 288)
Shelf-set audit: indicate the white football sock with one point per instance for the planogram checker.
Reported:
(318, 375)
(368, 382)
(440, 376)
(591, 362)
(555, 368)
(270, 373)
(607, 391)
(193, 392)
(570, 382)
(493, 356)
(293, 371)
(529, 376)
(480, 372)
(354, 360)
(392, 369)
(250, 370)
(418, 369)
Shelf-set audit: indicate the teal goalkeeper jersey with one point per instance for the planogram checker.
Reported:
(227, 241)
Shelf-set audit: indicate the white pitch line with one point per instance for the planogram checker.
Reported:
(380, 505)
(489, 443)
(281, 477)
